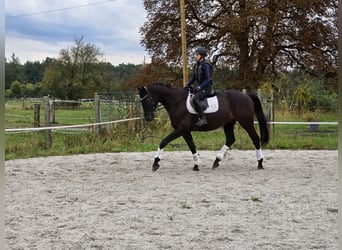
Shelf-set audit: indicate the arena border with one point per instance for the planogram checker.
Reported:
(17, 130)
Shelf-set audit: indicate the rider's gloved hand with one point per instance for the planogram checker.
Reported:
(198, 88)
(188, 87)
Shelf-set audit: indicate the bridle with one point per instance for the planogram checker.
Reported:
(149, 98)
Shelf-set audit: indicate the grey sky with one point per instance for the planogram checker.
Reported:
(36, 29)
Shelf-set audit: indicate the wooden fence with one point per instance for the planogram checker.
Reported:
(103, 116)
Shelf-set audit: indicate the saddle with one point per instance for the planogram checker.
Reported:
(209, 104)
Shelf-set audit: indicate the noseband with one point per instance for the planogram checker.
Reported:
(149, 98)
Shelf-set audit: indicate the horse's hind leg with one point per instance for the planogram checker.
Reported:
(256, 141)
(230, 139)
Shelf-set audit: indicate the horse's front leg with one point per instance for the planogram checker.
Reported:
(189, 140)
(174, 135)
(220, 155)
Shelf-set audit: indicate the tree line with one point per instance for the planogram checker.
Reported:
(77, 73)
(289, 47)
(258, 39)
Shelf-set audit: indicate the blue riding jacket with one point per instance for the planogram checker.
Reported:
(202, 75)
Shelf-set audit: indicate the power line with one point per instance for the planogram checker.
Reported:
(55, 10)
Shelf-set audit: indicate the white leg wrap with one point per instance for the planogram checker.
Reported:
(222, 152)
(196, 158)
(159, 153)
(258, 154)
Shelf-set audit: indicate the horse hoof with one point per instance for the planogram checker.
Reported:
(260, 166)
(155, 165)
(216, 163)
(195, 168)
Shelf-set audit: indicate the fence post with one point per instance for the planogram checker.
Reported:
(48, 136)
(36, 115)
(23, 103)
(138, 123)
(141, 121)
(52, 110)
(97, 113)
(271, 113)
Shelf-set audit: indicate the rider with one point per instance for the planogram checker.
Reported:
(202, 75)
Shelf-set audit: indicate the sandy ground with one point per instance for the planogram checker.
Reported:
(115, 201)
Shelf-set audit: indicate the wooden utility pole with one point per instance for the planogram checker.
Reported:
(184, 50)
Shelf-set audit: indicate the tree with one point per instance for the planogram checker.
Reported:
(33, 72)
(13, 71)
(116, 78)
(32, 90)
(157, 71)
(17, 89)
(75, 74)
(256, 38)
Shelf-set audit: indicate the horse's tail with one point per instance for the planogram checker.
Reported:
(264, 131)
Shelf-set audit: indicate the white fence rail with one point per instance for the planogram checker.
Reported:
(16, 130)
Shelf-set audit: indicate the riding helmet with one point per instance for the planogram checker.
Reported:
(201, 51)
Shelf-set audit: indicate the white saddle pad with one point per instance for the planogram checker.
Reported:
(212, 108)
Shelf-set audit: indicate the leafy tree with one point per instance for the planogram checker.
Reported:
(75, 74)
(29, 89)
(33, 72)
(253, 37)
(32, 90)
(157, 71)
(17, 89)
(118, 78)
(13, 71)
(8, 93)
(283, 89)
(302, 96)
(48, 62)
(301, 92)
(321, 96)
(125, 71)
(108, 77)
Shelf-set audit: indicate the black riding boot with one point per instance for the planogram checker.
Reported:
(202, 120)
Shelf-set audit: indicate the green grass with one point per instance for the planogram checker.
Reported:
(124, 137)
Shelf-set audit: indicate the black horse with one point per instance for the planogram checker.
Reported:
(233, 106)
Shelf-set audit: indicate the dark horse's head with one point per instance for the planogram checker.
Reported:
(148, 102)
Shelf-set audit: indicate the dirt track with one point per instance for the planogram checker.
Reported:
(115, 201)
